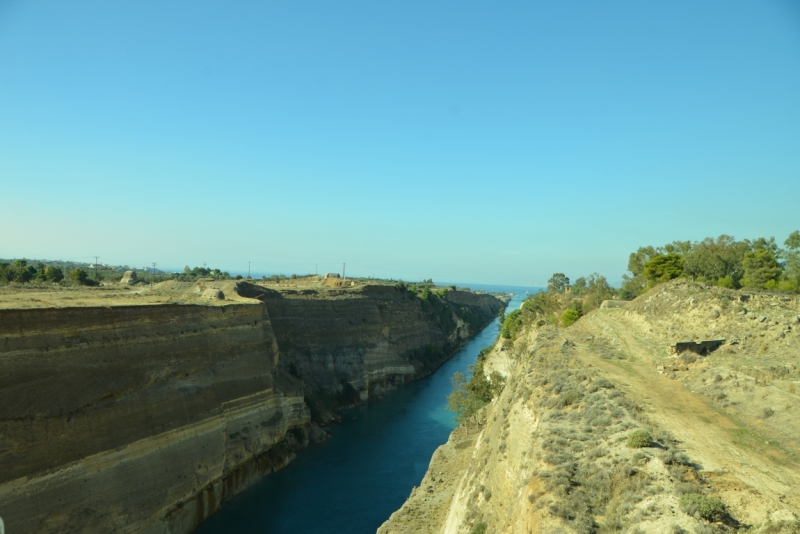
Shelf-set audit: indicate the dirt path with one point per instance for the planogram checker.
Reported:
(758, 479)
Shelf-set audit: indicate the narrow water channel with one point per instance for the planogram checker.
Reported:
(354, 481)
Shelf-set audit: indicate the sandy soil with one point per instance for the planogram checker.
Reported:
(753, 472)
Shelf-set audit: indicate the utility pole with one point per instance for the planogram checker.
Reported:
(344, 276)
(248, 269)
(96, 258)
(204, 265)
(154, 268)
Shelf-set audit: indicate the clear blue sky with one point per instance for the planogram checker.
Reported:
(463, 141)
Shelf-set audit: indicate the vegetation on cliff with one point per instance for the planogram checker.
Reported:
(724, 261)
(471, 395)
(559, 304)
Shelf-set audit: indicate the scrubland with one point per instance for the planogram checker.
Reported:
(601, 427)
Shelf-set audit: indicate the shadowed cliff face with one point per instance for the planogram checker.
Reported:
(122, 416)
(352, 343)
(144, 418)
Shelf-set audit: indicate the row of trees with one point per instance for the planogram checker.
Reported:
(203, 272)
(21, 273)
(724, 261)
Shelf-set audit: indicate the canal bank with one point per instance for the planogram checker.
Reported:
(365, 471)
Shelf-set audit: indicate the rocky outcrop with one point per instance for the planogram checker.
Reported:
(144, 418)
(129, 278)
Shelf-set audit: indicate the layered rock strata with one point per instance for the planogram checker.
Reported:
(355, 342)
(144, 418)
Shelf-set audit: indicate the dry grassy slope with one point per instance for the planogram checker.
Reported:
(550, 454)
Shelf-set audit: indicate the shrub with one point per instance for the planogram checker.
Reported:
(480, 528)
(639, 438)
(512, 324)
(727, 281)
(708, 508)
(569, 317)
(571, 397)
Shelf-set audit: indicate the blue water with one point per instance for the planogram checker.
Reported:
(354, 481)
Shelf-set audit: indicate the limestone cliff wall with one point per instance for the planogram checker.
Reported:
(144, 418)
(371, 338)
(124, 418)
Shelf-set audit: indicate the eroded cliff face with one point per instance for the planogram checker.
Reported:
(351, 343)
(553, 451)
(144, 418)
(129, 417)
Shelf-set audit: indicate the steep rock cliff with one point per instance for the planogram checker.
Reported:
(128, 417)
(348, 343)
(144, 418)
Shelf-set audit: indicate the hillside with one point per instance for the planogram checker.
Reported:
(551, 453)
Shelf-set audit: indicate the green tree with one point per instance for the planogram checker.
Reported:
(678, 247)
(557, 283)
(40, 272)
(791, 271)
(762, 243)
(714, 259)
(632, 286)
(637, 260)
(470, 396)
(663, 267)
(79, 275)
(597, 290)
(635, 284)
(23, 272)
(579, 287)
(53, 274)
(793, 241)
(760, 268)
